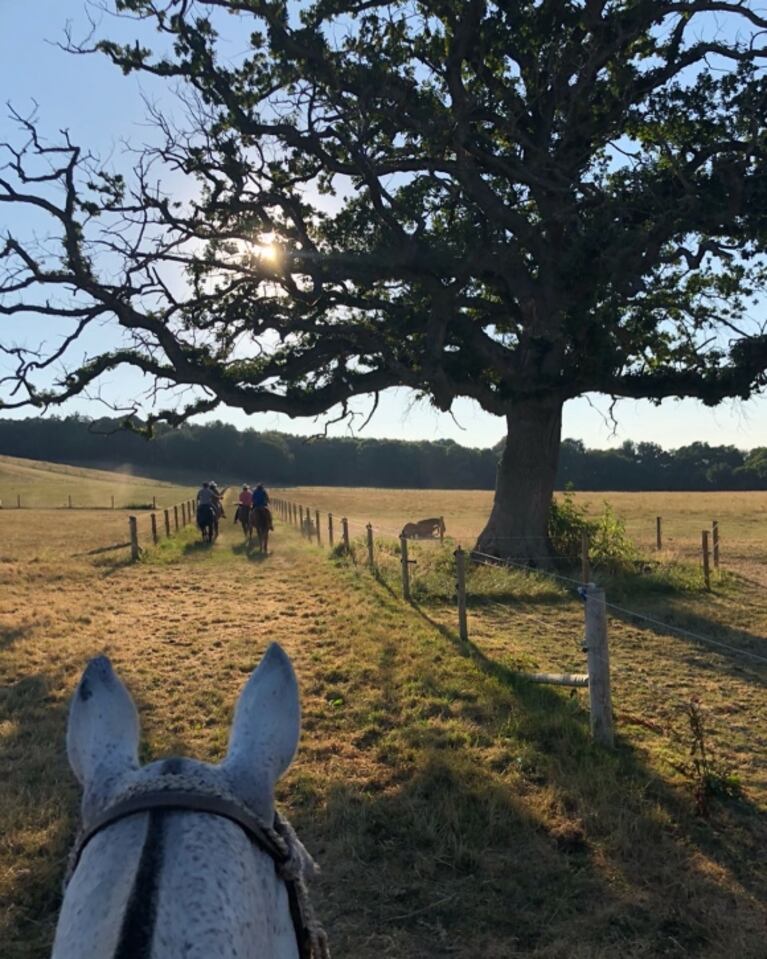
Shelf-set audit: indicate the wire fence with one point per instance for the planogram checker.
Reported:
(145, 530)
(83, 501)
(533, 622)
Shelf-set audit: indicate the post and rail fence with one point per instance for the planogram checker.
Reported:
(595, 644)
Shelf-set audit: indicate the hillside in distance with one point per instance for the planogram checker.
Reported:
(39, 484)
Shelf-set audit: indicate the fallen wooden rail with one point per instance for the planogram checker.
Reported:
(558, 679)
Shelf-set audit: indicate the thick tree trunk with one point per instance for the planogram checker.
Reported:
(517, 527)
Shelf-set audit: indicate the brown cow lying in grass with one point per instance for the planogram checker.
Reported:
(424, 528)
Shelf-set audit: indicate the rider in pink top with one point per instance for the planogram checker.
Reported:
(244, 503)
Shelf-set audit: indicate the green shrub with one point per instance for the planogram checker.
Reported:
(609, 544)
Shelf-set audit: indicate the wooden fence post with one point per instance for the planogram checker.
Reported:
(69, 499)
(706, 563)
(113, 502)
(167, 521)
(183, 514)
(598, 656)
(715, 542)
(345, 532)
(371, 556)
(317, 524)
(134, 551)
(175, 519)
(330, 530)
(154, 528)
(18, 501)
(585, 565)
(405, 568)
(154, 502)
(302, 525)
(460, 593)
(441, 529)
(658, 533)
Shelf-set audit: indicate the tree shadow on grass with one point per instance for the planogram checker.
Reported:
(697, 634)
(520, 837)
(39, 799)
(674, 619)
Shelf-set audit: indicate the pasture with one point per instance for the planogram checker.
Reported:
(454, 809)
(742, 516)
(44, 485)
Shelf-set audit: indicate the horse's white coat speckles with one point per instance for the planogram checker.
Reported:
(214, 894)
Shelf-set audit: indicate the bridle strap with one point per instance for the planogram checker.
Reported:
(183, 800)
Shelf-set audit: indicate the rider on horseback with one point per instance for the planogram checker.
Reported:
(207, 504)
(261, 501)
(218, 495)
(244, 504)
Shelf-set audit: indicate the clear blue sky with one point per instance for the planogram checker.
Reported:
(101, 108)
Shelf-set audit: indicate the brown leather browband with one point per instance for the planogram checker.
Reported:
(184, 800)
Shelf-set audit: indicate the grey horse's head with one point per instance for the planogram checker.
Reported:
(103, 737)
(168, 878)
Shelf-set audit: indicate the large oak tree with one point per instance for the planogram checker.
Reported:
(514, 202)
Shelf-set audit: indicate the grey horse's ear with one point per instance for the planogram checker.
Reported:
(265, 731)
(103, 730)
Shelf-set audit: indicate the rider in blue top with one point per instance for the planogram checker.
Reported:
(261, 501)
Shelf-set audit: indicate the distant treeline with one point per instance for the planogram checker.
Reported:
(222, 452)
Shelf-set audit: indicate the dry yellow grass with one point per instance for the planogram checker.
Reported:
(656, 672)
(454, 809)
(49, 485)
(742, 517)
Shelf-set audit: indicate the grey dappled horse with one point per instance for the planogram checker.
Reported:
(182, 858)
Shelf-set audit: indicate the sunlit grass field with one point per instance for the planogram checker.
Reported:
(742, 517)
(455, 809)
(44, 485)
